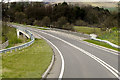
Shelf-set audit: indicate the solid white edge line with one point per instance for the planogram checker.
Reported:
(62, 67)
(110, 68)
(99, 47)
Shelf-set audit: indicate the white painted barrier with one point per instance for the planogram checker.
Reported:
(93, 36)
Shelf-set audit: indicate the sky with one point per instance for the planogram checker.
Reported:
(85, 0)
(64, 0)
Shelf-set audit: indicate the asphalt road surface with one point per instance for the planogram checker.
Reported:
(81, 59)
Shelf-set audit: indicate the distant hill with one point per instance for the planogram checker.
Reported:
(112, 6)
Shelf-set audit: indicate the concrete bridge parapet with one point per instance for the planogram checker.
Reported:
(23, 32)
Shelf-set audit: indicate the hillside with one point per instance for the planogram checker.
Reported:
(112, 6)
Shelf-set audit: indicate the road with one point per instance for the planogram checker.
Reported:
(81, 59)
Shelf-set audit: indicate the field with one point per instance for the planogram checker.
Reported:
(30, 62)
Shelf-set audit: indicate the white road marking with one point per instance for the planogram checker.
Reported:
(91, 44)
(97, 46)
(63, 64)
(107, 66)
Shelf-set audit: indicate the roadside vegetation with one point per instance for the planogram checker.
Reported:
(10, 33)
(111, 35)
(62, 15)
(30, 62)
(85, 19)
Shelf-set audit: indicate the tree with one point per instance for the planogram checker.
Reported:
(68, 26)
(40, 14)
(64, 4)
(80, 23)
(79, 13)
(46, 21)
(37, 23)
(110, 22)
(30, 21)
(61, 21)
(92, 17)
(19, 16)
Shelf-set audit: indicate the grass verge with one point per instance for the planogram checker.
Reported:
(102, 44)
(112, 36)
(87, 30)
(30, 62)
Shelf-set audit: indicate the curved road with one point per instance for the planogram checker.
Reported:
(82, 59)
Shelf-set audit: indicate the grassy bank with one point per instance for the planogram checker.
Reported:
(101, 44)
(30, 62)
(10, 33)
(111, 36)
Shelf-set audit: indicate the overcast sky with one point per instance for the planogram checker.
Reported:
(65, 0)
(85, 0)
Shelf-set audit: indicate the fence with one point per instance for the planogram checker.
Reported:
(20, 46)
